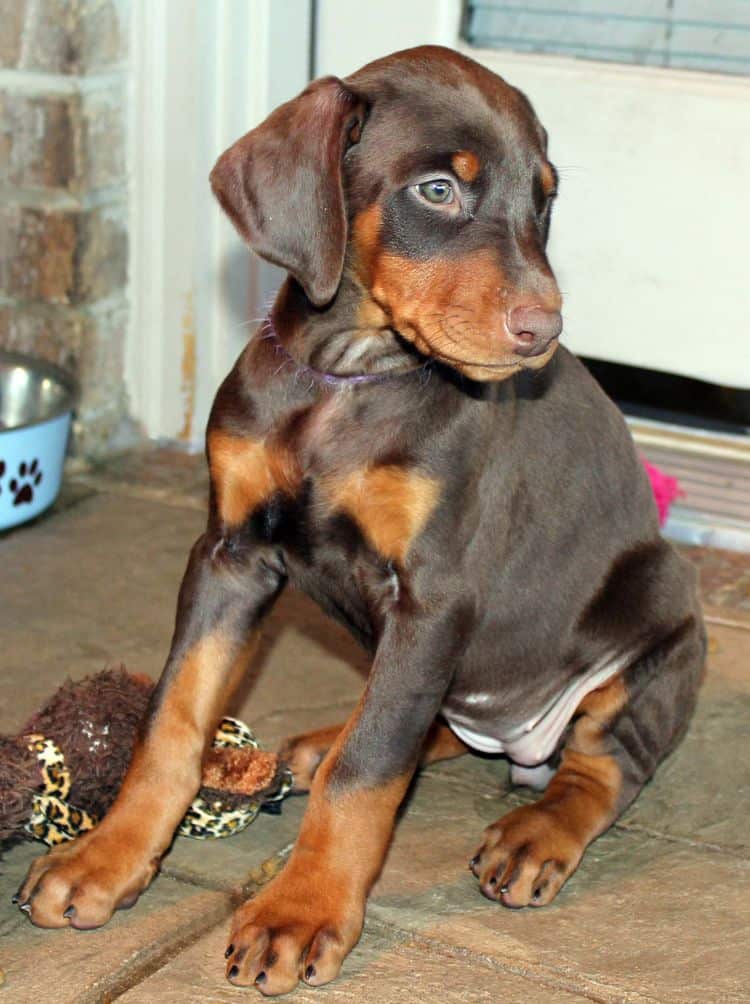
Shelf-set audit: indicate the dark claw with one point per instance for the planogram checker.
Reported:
(493, 881)
(14, 899)
(474, 861)
(70, 912)
(26, 907)
(228, 951)
(505, 888)
(233, 972)
(261, 977)
(309, 972)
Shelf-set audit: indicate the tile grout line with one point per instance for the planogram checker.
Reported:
(543, 975)
(151, 960)
(271, 865)
(255, 880)
(157, 495)
(699, 845)
(519, 800)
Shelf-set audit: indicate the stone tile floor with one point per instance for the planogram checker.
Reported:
(659, 910)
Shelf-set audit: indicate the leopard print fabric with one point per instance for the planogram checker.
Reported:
(204, 819)
(54, 820)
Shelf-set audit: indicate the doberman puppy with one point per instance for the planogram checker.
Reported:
(405, 441)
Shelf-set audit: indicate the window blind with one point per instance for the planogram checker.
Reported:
(709, 35)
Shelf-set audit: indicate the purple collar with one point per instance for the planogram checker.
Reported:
(267, 330)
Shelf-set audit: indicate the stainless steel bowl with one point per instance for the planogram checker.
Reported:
(36, 405)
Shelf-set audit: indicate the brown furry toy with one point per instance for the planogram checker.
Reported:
(62, 772)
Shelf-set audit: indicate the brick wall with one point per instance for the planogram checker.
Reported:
(63, 198)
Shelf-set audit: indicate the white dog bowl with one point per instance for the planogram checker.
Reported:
(36, 404)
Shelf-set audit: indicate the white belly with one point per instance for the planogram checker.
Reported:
(534, 742)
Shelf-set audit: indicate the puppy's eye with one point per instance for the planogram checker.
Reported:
(439, 192)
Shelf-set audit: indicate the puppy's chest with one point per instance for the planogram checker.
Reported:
(322, 478)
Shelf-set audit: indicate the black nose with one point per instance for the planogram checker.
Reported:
(533, 328)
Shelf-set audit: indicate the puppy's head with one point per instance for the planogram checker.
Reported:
(425, 178)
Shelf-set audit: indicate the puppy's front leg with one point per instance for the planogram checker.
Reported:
(310, 917)
(223, 595)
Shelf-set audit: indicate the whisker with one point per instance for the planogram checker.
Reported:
(249, 321)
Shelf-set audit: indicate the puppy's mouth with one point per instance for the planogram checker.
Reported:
(504, 366)
(493, 370)
(498, 356)
(538, 360)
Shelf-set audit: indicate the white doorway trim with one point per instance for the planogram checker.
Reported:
(202, 74)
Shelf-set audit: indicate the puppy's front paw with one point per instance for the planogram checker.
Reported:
(526, 858)
(301, 927)
(80, 884)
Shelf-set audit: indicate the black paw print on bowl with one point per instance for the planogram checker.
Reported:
(22, 487)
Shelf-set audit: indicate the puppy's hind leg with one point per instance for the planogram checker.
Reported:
(620, 733)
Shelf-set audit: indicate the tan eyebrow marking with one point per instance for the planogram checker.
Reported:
(466, 165)
(548, 178)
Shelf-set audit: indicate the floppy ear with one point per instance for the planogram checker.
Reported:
(281, 185)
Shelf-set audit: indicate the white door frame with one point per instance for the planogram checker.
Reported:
(203, 72)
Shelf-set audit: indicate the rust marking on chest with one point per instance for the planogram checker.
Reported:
(391, 505)
(246, 473)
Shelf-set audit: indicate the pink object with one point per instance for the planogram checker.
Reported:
(665, 488)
